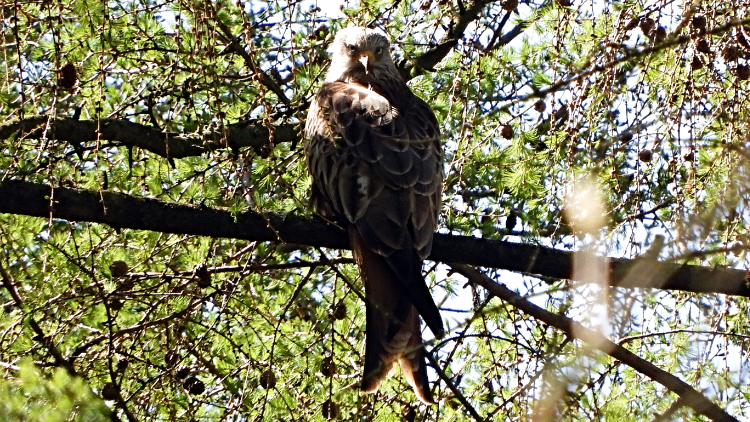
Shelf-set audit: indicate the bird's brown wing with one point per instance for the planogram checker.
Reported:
(378, 168)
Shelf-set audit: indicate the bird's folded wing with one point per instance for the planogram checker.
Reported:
(388, 179)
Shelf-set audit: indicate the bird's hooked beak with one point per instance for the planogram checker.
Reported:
(365, 58)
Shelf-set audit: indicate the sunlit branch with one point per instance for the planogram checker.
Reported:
(168, 145)
(129, 212)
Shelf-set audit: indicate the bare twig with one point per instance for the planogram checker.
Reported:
(467, 14)
(263, 77)
(247, 268)
(456, 391)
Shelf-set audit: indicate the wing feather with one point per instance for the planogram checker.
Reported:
(392, 160)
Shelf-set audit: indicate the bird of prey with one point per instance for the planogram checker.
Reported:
(375, 155)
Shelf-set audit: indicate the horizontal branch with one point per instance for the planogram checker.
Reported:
(127, 211)
(76, 132)
(689, 396)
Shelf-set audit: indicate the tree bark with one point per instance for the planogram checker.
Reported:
(124, 211)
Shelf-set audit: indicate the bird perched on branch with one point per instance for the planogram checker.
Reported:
(375, 155)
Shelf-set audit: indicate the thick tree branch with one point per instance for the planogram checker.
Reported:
(688, 395)
(76, 132)
(126, 211)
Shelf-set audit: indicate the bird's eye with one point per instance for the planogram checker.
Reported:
(379, 51)
(351, 48)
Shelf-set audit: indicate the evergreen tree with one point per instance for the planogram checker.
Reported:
(160, 260)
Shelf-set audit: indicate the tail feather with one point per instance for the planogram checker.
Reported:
(413, 361)
(407, 268)
(393, 325)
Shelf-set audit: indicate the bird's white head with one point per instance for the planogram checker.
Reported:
(359, 50)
